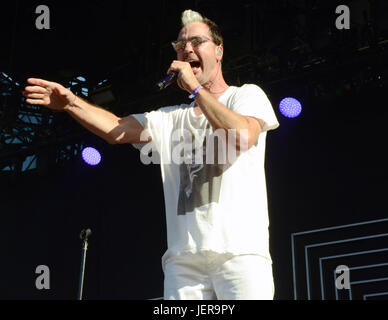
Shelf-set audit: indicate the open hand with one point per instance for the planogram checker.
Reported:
(48, 94)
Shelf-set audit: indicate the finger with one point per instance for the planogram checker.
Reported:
(35, 101)
(179, 82)
(34, 95)
(171, 70)
(40, 82)
(35, 90)
(174, 67)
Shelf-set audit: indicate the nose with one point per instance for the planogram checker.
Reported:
(185, 49)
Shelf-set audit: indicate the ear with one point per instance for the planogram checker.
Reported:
(220, 52)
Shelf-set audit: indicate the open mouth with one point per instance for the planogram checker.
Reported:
(195, 64)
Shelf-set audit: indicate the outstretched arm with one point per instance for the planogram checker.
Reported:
(97, 120)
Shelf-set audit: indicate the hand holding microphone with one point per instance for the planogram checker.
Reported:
(182, 72)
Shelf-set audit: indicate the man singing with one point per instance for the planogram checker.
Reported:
(217, 213)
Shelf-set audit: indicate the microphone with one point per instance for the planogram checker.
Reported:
(165, 82)
(85, 234)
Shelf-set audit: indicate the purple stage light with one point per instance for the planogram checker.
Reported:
(91, 156)
(290, 107)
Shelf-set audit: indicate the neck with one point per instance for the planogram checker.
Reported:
(217, 86)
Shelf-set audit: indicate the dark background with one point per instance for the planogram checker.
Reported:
(324, 168)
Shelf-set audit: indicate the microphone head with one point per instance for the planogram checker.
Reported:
(165, 82)
(85, 234)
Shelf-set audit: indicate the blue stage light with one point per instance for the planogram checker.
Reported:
(91, 156)
(290, 107)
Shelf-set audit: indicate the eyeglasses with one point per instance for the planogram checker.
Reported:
(180, 45)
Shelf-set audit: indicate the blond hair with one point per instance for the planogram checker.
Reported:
(190, 16)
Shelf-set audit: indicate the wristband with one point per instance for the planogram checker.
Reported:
(195, 92)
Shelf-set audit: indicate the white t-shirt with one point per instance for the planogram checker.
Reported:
(212, 207)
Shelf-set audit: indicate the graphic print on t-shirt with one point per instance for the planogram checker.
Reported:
(200, 183)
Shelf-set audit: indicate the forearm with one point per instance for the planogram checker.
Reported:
(97, 120)
(221, 117)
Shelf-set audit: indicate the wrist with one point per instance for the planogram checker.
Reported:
(71, 104)
(195, 92)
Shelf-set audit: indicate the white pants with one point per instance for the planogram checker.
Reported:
(210, 276)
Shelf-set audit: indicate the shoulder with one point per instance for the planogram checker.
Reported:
(247, 92)
(249, 88)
